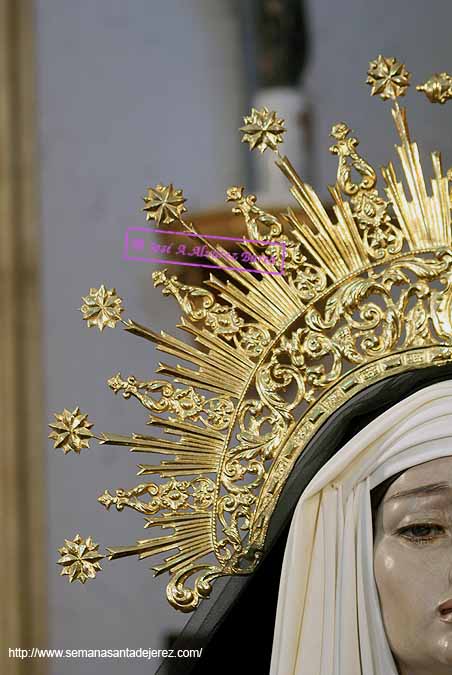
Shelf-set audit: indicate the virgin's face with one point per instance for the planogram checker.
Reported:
(413, 568)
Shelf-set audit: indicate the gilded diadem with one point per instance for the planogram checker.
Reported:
(360, 291)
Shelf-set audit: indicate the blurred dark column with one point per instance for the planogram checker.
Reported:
(282, 43)
(276, 51)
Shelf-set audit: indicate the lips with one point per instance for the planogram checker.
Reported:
(445, 611)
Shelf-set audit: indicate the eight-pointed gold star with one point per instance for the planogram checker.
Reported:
(102, 307)
(71, 430)
(388, 78)
(80, 559)
(262, 129)
(164, 204)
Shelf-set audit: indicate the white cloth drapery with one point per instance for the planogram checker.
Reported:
(328, 619)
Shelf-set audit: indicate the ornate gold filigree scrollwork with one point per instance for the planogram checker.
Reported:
(197, 495)
(381, 236)
(184, 403)
(349, 159)
(260, 225)
(199, 304)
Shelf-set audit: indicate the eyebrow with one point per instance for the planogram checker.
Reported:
(432, 489)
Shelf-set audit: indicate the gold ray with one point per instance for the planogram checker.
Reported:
(201, 379)
(441, 203)
(220, 351)
(171, 345)
(204, 435)
(224, 352)
(419, 208)
(186, 452)
(175, 468)
(396, 195)
(191, 536)
(191, 551)
(348, 232)
(314, 232)
(263, 299)
(255, 305)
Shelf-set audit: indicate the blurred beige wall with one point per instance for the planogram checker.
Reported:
(131, 93)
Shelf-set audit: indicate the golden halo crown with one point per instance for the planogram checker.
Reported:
(363, 292)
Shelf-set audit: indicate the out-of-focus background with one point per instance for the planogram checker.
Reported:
(100, 99)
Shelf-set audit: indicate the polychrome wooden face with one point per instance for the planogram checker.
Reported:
(413, 567)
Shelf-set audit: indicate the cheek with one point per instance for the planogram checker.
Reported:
(411, 583)
(388, 570)
(406, 581)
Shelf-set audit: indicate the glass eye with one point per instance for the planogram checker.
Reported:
(421, 532)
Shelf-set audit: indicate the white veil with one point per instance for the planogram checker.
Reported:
(328, 619)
